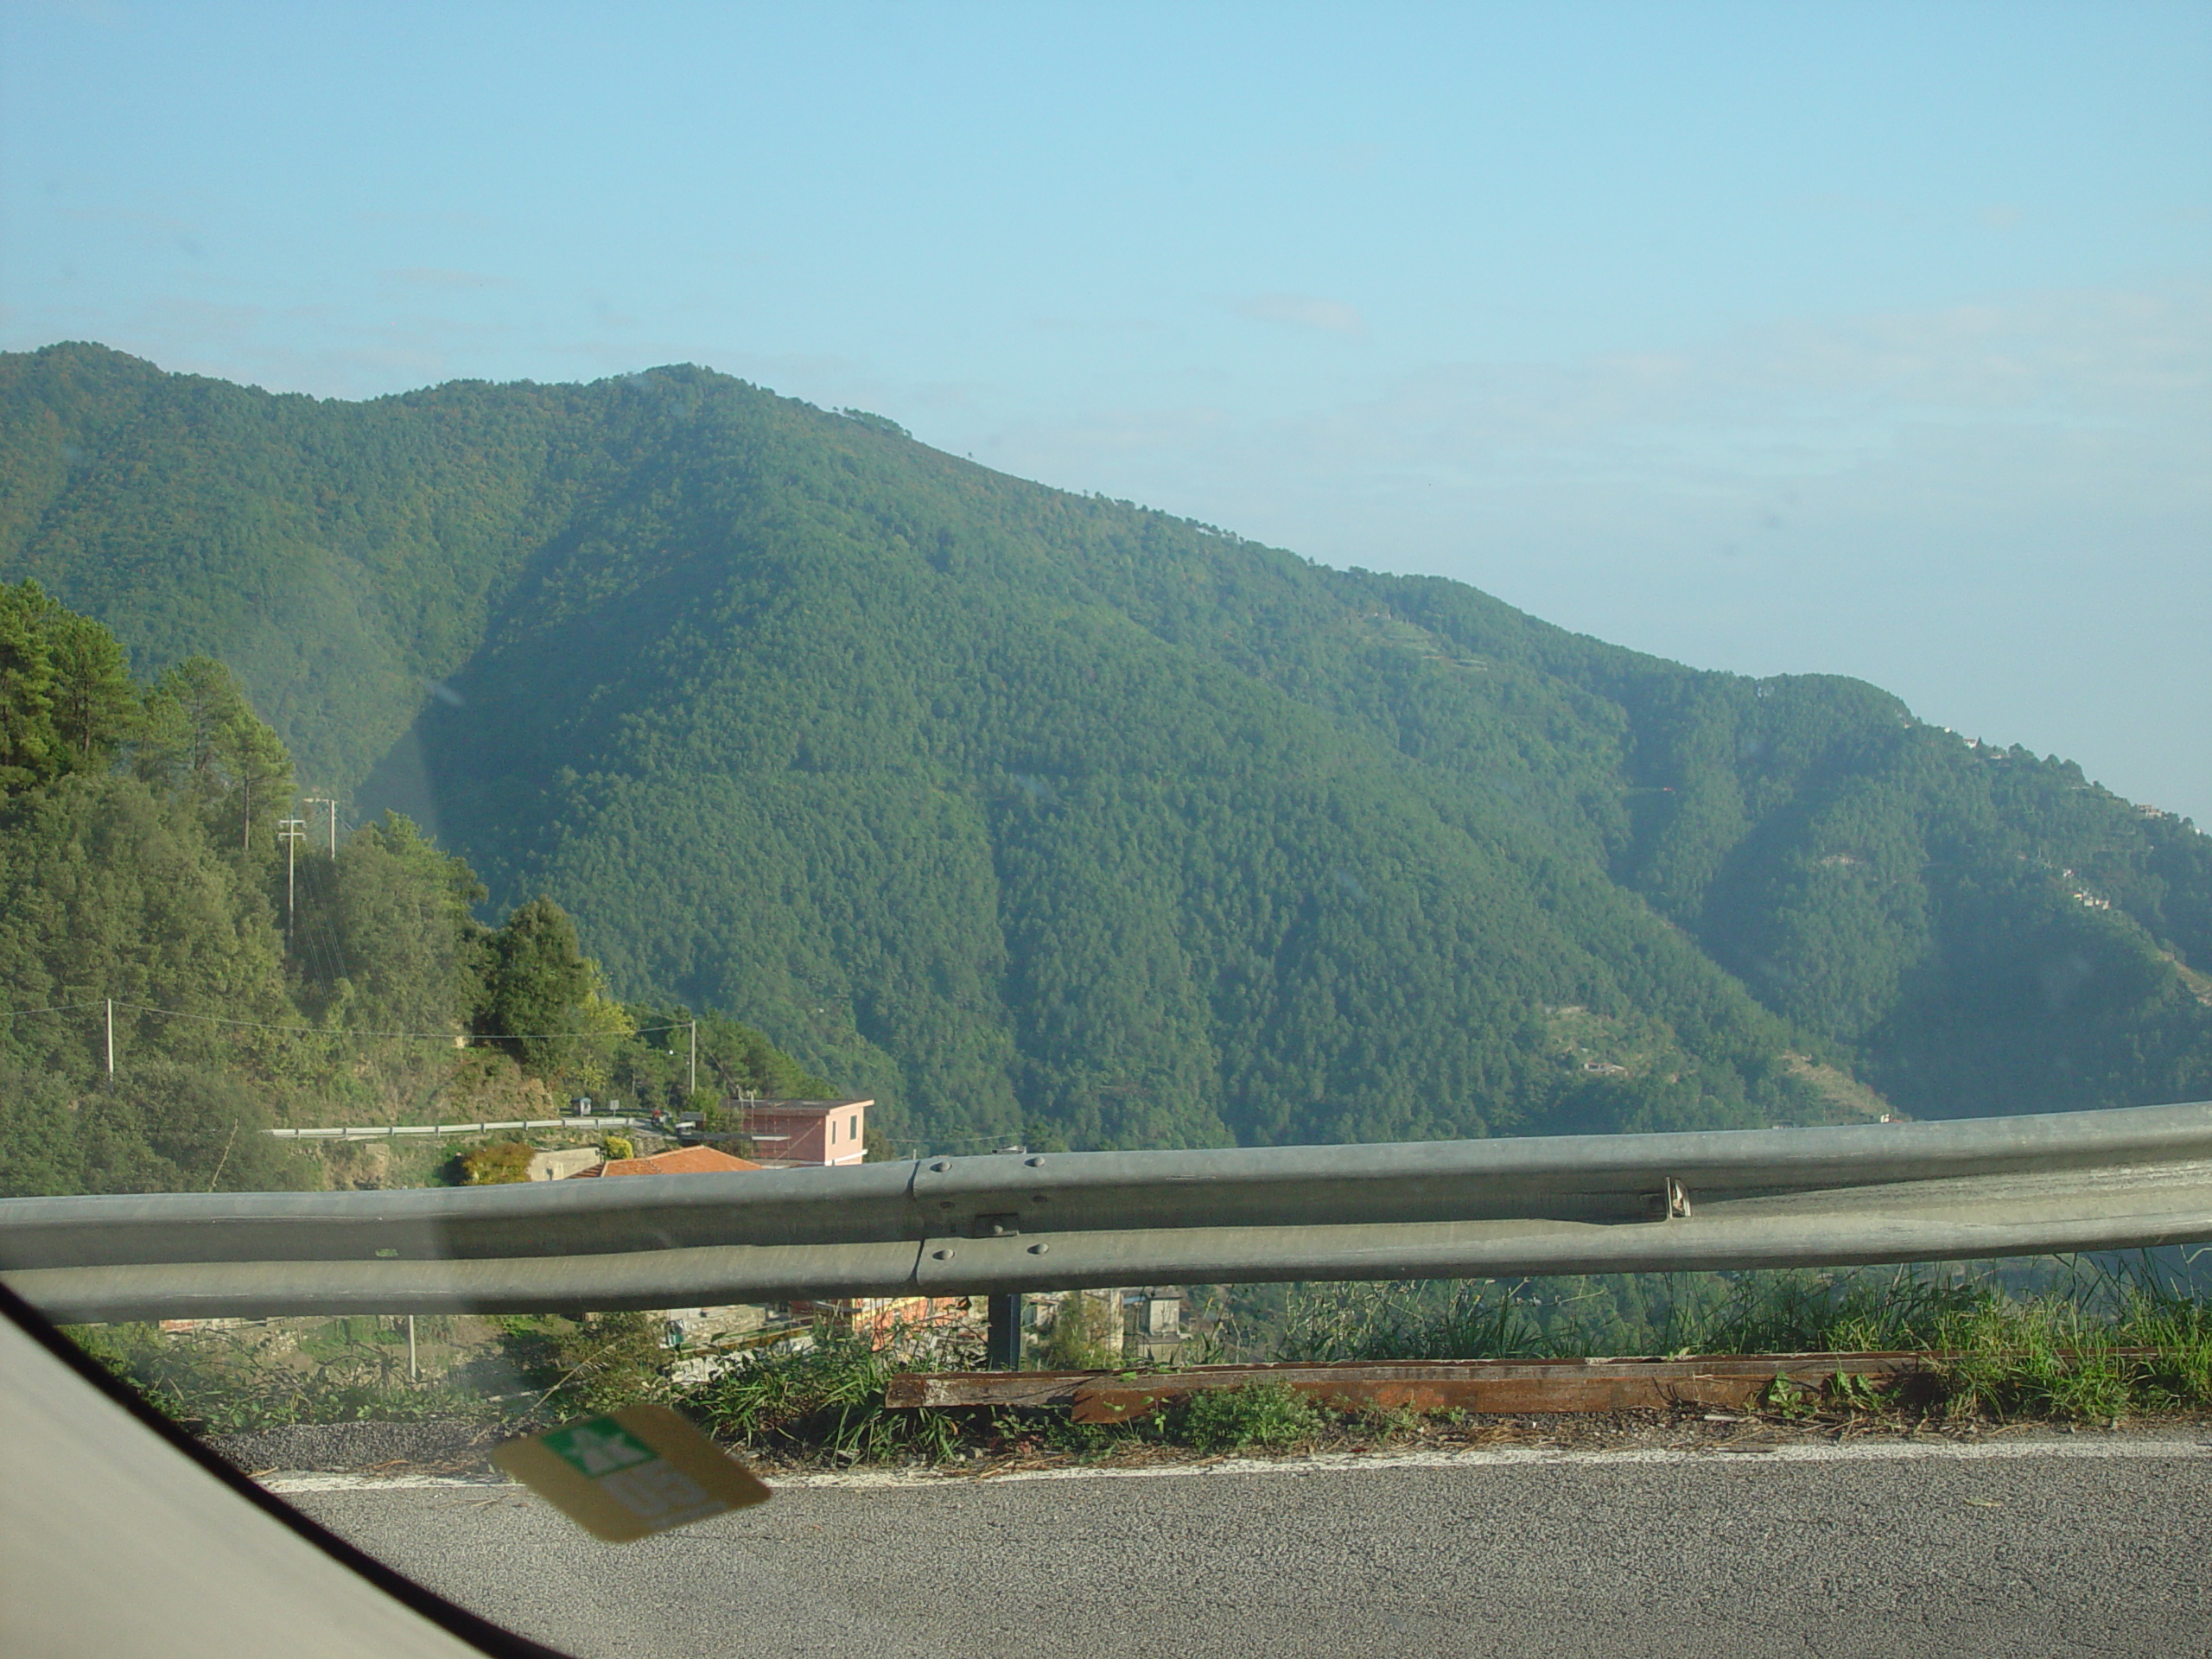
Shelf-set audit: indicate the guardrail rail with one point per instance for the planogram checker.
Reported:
(389, 1131)
(1008, 1222)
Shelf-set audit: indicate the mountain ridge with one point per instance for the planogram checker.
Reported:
(1044, 814)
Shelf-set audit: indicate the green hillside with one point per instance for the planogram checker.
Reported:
(1045, 815)
(173, 980)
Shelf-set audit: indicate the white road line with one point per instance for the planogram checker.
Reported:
(2059, 1449)
(285, 1484)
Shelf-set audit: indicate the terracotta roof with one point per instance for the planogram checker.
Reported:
(684, 1161)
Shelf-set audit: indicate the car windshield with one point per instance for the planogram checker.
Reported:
(1118, 830)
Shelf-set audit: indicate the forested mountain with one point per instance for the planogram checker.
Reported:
(1038, 814)
(172, 982)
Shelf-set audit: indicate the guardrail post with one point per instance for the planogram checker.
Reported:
(1002, 1338)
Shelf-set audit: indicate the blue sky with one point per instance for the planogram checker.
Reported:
(1864, 339)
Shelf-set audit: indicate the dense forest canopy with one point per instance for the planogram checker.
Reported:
(173, 980)
(1045, 815)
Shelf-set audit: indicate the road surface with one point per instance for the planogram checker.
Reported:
(2081, 1546)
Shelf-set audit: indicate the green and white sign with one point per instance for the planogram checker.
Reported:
(635, 1471)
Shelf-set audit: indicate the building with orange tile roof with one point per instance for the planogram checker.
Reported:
(682, 1161)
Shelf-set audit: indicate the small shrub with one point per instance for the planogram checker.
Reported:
(828, 1396)
(1090, 1441)
(216, 1382)
(1258, 1414)
(1854, 1391)
(1784, 1398)
(1082, 1335)
(620, 1146)
(1385, 1421)
(588, 1365)
(497, 1165)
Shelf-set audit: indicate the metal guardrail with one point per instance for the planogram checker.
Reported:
(1009, 1222)
(386, 1131)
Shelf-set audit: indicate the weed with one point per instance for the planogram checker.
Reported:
(1803, 1312)
(1383, 1422)
(1084, 1334)
(1094, 1441)
(2049, 1339)
(1784, 1398)
(581, 1367)
(1853, 1391)
(1258, 1414)
(827, 1395)
(217, 1382)
(1410, 1320)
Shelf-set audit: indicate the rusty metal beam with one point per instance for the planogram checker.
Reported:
(1483, 1386)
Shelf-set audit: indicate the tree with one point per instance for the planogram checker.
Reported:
(108, 889)
(542, 1001)
(258, 769)
(29, 748)
(386, 928)
(185, 713)
(166, 1127)
(95, 705)
(200, 736)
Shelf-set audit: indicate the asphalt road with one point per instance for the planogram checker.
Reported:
(2088, 1547)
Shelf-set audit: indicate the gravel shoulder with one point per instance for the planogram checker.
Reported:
(459, 1449)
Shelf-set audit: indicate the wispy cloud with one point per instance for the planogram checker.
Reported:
(2040, 423)
(1997, 510)
(442, 281)
(1095, 326)
(1303, 311)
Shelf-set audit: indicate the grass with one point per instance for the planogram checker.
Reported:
(2089, 1341)
(1332, 1323)
(826, 1398)
(2096, 1340)
(221, 1382)
(1258, 1414)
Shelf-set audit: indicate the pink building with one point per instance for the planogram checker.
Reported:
(805, 1131)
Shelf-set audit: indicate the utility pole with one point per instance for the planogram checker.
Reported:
(695, 1057)
(294, 831)
(111, 1036)
(325, 800)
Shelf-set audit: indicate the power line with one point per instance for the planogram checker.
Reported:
(59, 1008)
